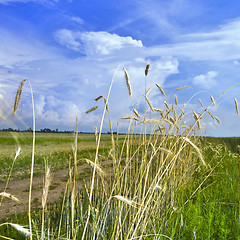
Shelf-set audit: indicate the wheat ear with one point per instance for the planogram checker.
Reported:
(18, 96)
(128, 82)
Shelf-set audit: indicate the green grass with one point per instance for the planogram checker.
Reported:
(55, 148)
(169, 184)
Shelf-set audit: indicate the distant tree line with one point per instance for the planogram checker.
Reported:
(44, 130)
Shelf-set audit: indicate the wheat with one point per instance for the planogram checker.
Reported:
(18, 96)
(147, 92)
(166, 105)
(125, 200)
(210, 114)
(136, 112)
(196, 148)
(180, 88)
(150, 105)
(147, 69)
(10, 196)
(98, 168)
(213, 101)
(47, 182)
(176, 100)
(130, 117)
(200, 102)
(106, 104)
(96, 99)
(92, 109)
(160, 88)
(18, 227)
(128, 82)
(236, 105)
(217, 119)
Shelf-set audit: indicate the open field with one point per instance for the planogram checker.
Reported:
(207, 209)
(54, 148)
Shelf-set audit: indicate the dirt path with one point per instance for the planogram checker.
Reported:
(20, 189)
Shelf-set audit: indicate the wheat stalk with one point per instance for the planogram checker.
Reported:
(160, 88)
(180, 88)
(200, 102)
(47, 182)
(213, 101)
(217, 119)
(19, 228)
(96, 99)
(130, 117)
(149, 103)
(98, 168)
(18, 96)
(125, 200)
(176, 100)
(128, 82)
(236, 105)
(92, 109)
(196, 148)
(136, 112)
(10, 196)
(147, 69)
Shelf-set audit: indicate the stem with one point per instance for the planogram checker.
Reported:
(96, 156)
(31, 178)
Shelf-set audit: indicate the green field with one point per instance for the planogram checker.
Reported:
(55, 148)
(206, 206)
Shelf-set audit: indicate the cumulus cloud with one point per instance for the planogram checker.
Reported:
(95, 43)
(207, 80)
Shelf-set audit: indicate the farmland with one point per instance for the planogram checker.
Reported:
(206, 208)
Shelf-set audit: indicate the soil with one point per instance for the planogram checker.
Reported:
(20, 189)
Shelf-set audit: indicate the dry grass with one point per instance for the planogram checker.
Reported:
(148, 170)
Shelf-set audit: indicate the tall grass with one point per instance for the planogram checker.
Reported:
(152, 178)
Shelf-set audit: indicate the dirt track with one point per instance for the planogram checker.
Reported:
(20, 189)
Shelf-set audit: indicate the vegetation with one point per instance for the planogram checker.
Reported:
(164, 183)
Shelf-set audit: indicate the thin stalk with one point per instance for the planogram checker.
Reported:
(32, 165)
(96, 157)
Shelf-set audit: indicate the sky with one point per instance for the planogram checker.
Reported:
(70, 49)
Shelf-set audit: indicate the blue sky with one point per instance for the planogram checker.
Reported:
(69, 50)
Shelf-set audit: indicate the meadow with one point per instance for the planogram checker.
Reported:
(166, 182)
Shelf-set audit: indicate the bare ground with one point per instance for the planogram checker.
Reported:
(20, 189)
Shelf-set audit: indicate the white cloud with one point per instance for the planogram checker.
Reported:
(69, 39)
(39, 105)
(222, 44)
(106, 43)
(206, 81)
(77, 20)
(95, 43)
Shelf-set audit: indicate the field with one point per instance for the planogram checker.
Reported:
(55, 148)
(207, 209)
(159, 180)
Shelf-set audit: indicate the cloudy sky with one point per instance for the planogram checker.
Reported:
(69, 50)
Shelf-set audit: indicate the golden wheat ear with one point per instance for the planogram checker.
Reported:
(18, 96)
(92, 109)
(236, 106)
(128, 82)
